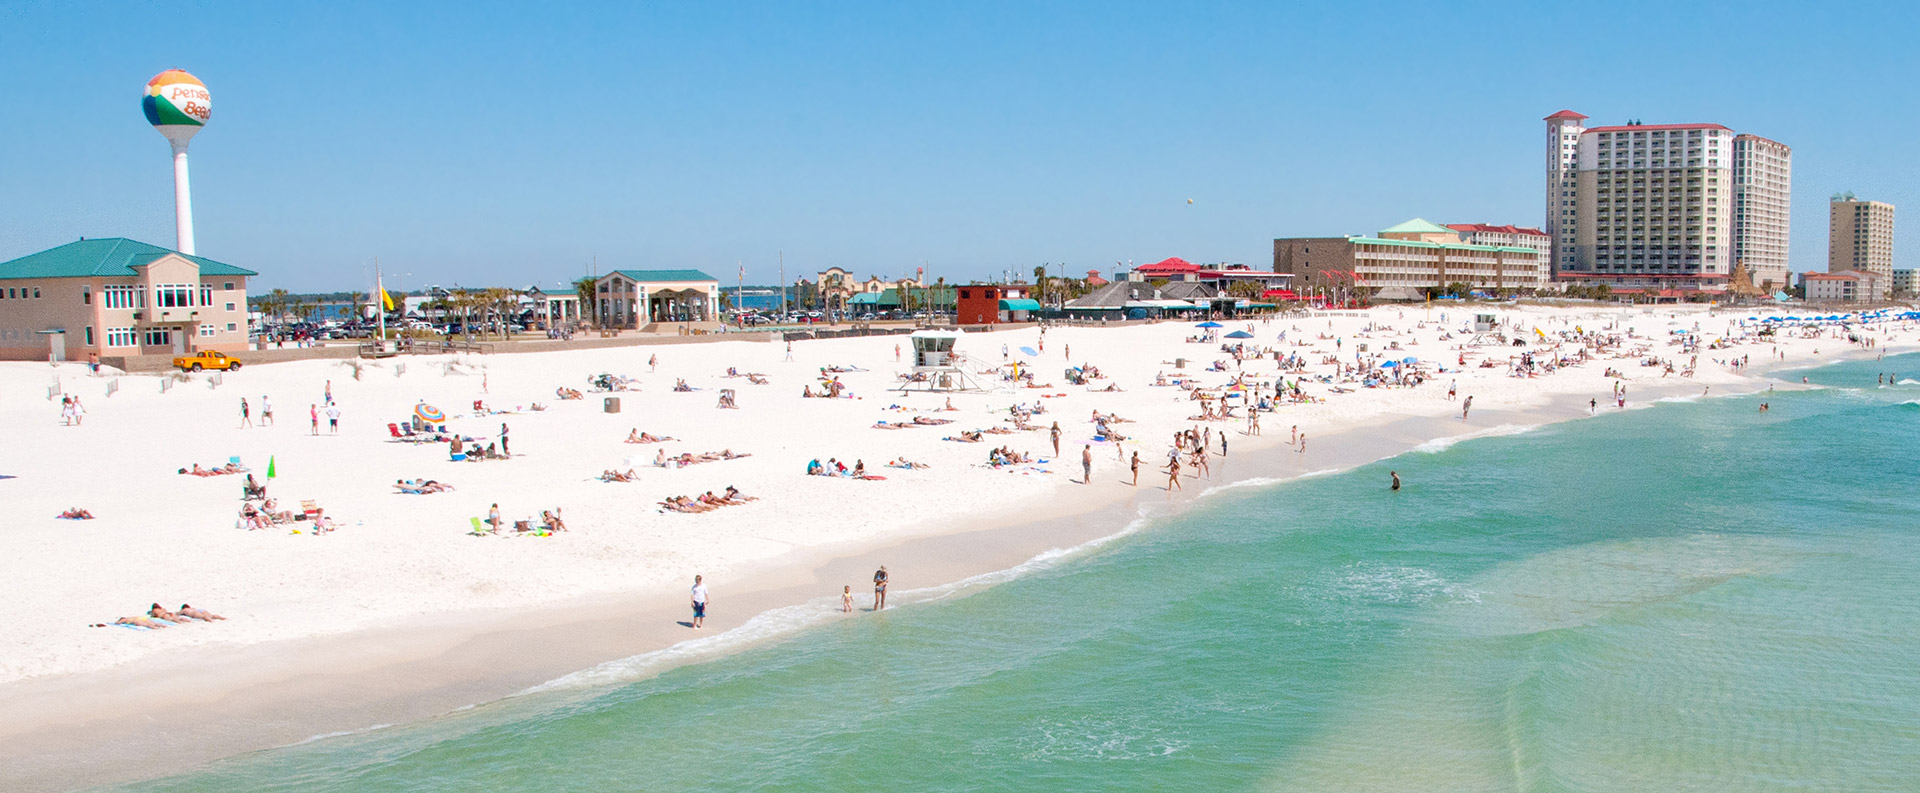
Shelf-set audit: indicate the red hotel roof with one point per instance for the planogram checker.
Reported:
(1638, 127)
(1500, 229)
(1563, 114)
(1170, 265)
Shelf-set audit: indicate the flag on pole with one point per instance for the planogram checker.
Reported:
(386, 299)
(270, 470)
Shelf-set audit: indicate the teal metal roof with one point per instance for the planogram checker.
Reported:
(1018, 304)
(1419, 226)
(653, 276)
(107, 257)
(865, 299)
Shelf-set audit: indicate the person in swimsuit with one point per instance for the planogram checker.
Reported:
(846, 600)
(880, 588)
(699, 603)
(1396, 479)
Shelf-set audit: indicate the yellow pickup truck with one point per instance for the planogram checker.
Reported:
(207, 359)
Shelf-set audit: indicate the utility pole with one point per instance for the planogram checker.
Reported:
(783, 285)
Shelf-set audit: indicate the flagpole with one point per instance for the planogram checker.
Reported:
(380, 302)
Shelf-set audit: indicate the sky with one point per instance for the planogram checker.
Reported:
(492, 144)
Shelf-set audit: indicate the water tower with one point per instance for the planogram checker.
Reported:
(178, 105)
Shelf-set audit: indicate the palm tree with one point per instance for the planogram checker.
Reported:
(589, 306)
(1040, 282)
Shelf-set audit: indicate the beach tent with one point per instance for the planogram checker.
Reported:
(1239, 334)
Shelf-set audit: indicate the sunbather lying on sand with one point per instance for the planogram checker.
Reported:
(76, 513)
(902, 462)
(229, 468)
(421, 486)
(611, 475)
(567, 393)
(140, 621)
(967, 436)
(199, 614)
(636, 436)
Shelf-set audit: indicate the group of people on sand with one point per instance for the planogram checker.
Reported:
(829, 389)
(565, 393)
(1003, 455)
(71, 413)
(75, 513)
(706, 502)
(636, 436)
(752, 377)
(420, 486)
(684, 459)
(833, 467)
(229, 468)
(918, 421)
(457, 446)
(159, 616)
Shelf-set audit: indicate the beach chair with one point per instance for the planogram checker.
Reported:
(394, 430)
(479, 527)
(308, 509)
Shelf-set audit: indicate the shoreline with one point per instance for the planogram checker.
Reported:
(221, 701)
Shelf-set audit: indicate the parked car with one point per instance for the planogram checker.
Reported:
(207, 359)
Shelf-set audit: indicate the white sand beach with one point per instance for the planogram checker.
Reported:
(396, 560)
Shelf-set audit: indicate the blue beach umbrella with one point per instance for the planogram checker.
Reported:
(1029, 351)
(1209, 325)
(1239, 334)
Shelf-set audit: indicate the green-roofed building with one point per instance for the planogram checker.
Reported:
(1415, 255)
(653, 299)
(118, 297)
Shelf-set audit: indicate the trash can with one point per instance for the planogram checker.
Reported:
(612, 405)
(1179, 363)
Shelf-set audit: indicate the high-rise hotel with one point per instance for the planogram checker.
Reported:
(1662, 207)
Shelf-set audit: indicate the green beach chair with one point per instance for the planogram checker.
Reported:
(477, 527)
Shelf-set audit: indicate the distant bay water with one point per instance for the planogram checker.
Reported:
(1692, 596)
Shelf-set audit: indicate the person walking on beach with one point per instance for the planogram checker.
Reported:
(789, 351)
(1055, 432)
(1452, 387)
(880, 588)
(1173, 475)
(1086, 464)
(1293, 438)
(327, 396)
(493, 517)
(1464, 407)
(1302, 448)
(1223, 444)
(1136, 469)
(503, 440)
(846, 600)
(313, 415)
(333, 419)
(266, 411)
(1593, 406)
(699, 603)
(653, 362)
(1396, 480)
(246, 413)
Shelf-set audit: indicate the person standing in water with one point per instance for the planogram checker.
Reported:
(1136, 469)
(1464, 407)
(880, 588)
(1396, 480)
(1086, 464)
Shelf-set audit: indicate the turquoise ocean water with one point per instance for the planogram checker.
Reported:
(1692, 596)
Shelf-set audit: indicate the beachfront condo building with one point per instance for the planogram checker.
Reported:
(1903, 283)
(1860, 237)
(1845, 286)
(1762, 202)
(1414, 255)
(1563, 159)
(1507, 236)
(113, 298)
(1652, 207)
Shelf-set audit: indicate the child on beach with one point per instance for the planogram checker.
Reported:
(846, 599)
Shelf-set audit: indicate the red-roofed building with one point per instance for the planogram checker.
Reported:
(1094, 278)
(1565, 114)
(1219, 277)
(1511, 236)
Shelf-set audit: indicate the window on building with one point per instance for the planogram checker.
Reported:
(227, 286)
(118, 295)
(172, 296)
(158, 337)
(208, 330)
(36, 293)
(229, 306)
(120, 337)
(206, 294)
(231, 327)
(86, 295)
(89, 335)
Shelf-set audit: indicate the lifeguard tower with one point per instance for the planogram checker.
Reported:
(1484, 322)
(936, 366)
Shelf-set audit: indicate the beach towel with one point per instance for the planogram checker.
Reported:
(873, 477)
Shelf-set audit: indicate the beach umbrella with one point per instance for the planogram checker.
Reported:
(1409, 360)
(271, 473)
(429, 413)
(1389, 363)
(1239, 334)
(1029, 351)
(1209, 325)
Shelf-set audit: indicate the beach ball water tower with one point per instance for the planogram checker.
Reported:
(178, 105)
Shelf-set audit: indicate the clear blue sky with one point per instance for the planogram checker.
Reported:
(492, 144)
